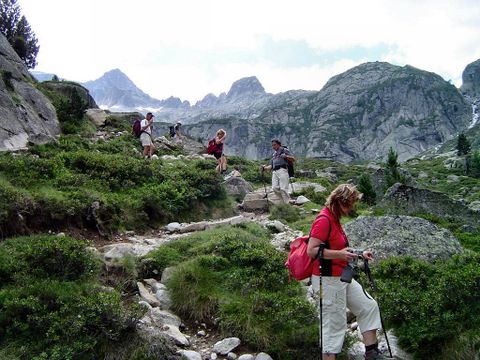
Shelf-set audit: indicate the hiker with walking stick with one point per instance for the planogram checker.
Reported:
(328, 245)
(279, 166)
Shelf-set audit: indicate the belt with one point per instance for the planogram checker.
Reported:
(279, 167)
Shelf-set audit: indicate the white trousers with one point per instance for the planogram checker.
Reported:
(337, 296)
(280, 182)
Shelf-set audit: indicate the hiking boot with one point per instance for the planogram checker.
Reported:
(375, 354)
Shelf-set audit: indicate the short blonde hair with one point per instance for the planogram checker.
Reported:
(220, 132)
(344, 194)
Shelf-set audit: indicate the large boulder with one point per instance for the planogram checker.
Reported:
(237, 186)
(68, 88)
(26, 115)
(259, 201)
(409, 200)
(402, 235)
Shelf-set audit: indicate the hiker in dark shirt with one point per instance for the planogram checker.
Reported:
(279, 165)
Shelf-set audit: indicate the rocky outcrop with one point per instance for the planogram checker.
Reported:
(403, 199)
(391, 236)
(26, 115)
(358, 115)
(471, 80)
(68, 89)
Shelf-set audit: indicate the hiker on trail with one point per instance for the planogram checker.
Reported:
(279, 165)
(328, 244)
(218, 152)
(146, 135)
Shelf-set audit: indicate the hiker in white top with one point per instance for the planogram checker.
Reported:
(146, 135)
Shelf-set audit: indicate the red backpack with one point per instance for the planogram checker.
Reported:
(212, 147)
(299, 264)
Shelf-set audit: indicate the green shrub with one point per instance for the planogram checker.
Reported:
(285, 213)
(50, 319)
(431, 305)
(235, 275)
(42, 256)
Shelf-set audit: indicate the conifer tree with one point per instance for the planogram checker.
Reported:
(18, 32)
(463, 145)
(365, 186)
(392, 173)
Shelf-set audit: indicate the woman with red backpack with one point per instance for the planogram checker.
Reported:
(215, 148)
(328, 245)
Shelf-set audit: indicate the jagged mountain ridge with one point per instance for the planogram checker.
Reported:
(115, 91)
(356, 116)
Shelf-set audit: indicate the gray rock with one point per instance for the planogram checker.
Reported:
(232, 356)
(453, 178)
(408, 200)
(163, 317)
(26, 115)
(145, 304)
(246, 357)
(173, 227)
(402, 235)
(256, 201)
(237, 187)
(301, 200)
(300, 187)
(190, 355)
(167, 274)
(164, 298)
(201, 333)
(475, 205)
(225, 346)
(146, 295)
(263, 356)
(275, 225)
(471, 79)
(422, 175)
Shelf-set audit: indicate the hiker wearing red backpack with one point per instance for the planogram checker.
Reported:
(215, 148)
(328, 245)
(146, 126)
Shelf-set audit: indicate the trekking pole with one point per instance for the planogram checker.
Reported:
(374, 288)
(320, 288)
(265, 187)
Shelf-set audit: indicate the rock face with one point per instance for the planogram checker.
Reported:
(410, 200)
(471, 79)
(26, 115)
(402, 235)
(358, 115)
(67, 88)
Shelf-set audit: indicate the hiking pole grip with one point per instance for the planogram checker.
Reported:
(375, 289)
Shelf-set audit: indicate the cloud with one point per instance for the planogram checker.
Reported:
(188, 48)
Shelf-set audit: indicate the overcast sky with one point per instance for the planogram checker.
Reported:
(188, 48)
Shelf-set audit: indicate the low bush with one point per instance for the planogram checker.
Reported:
(234, 275)
(431, 306)
(51, 304)
(285, 213)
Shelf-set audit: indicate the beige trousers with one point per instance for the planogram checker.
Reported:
(280, 182)
(337, 296)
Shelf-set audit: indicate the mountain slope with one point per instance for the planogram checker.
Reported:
(357, 116)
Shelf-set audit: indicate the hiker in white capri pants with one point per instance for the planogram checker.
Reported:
(328, 245)
(278, 165)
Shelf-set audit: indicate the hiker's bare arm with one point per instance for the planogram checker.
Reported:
(314, 245)
(150, 123)
(267, 167)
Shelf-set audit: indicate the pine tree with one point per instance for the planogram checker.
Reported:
(392, 173)
(365, 186)
(463, 145)
(17, 30)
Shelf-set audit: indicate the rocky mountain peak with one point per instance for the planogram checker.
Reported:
(118, 79)
(247, 86)
(471, 79)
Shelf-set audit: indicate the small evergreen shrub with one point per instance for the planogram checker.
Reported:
(285, 213)
(431, 305)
